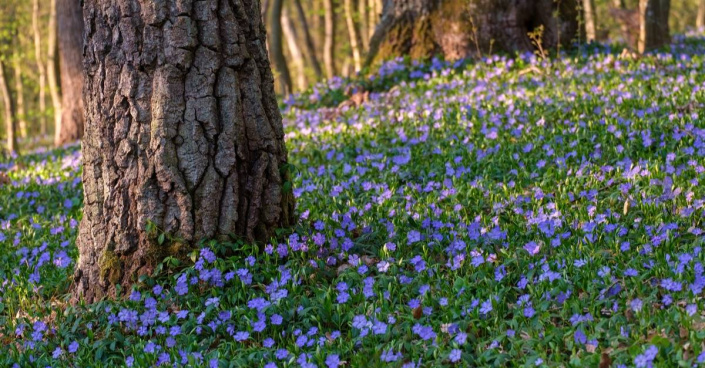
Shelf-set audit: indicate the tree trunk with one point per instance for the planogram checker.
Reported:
(70, 21)
(19, 90)
(458, 29)
(310, 45)
(700, 20)
(362, 17)
(277, 48)
(628, 22)
(590, 22)
(653, 24)
(183, 132)
(9, 111)
(297, 57)
(329, 42)
(373, 19)
(353, 33)
(41, 68)
(52, 66)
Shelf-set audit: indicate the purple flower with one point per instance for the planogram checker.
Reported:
(532, 248)
(455, 355)
(333, 361)
(242, 336)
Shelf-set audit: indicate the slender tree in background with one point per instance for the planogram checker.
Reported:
(653, 24)
(375, 10)
(308, 40)
(9, 110)
(362, 18)
(457, 29)
(590, 21)
(276, 47)
(41, 68)
(700, 19)
(21, 110)
(70, 22)
(353, 33)
(52, 77)
(297, 57)
(183, 133)
(329, 41)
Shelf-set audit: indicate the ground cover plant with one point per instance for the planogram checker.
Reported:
(504, 212)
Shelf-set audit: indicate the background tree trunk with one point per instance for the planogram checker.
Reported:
(628, 20)
(277, 48)
(653, 24)
(183, 132)
(21, 111)
(353, 33)
(373, 18)
(362, 21)
(52, 66)
(329, 42)
(41, 68)
(9, 110)
(457, 29)
(70, 21)
(308, 40)
(590, 22)
(700, 19)
(297, 58)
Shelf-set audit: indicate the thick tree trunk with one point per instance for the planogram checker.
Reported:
(590, 22)
(9, 110)
(700, 19)
(52, 66)
(70, 21)
(308, 40)
(277, 48)
(353, 33)
(329, 42)
(183, 132)
(653, 24)
(19, 90)
(458, 29)
(297, 57)
(41, 68)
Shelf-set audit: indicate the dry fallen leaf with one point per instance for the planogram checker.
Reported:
(605, 360)
(418, 312)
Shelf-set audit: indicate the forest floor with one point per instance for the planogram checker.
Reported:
(508, 212)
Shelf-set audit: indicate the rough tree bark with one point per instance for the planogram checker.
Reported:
(329, 41)
(183, 132)
(9, 110)
(52, 76)
(297, 57)
(353, 33)
(276, 47)
(41, 68)
(700, 18)
(458, 29)
(653, 24)
(308, 40)
(70, 21)
(590, 22)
